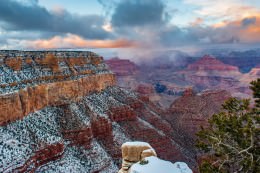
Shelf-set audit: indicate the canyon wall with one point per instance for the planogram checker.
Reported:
(61, 112)
(18, 104)
(31, 81)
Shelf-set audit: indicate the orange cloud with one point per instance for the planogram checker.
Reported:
(75, 41)
(249, 33)
(198, 21)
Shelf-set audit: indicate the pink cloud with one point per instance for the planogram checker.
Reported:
(75, 41)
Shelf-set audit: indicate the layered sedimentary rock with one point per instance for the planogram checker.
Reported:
(51, 103)
(191, 111)
(195, 109)
(210, 63)
(210, 72)
(122, 67)
(80, 127)
(42, 79)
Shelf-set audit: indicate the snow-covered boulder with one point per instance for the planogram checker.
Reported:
(148, 153)
(156, 165)
(132, 151)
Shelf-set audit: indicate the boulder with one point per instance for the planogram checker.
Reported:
(133, 152)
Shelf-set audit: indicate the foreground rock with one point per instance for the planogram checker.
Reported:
(133, 152)
(156, 165)
(140, 157)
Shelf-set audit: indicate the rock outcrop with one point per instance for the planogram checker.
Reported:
(191, 111)
(140, 157)
(40, 79)
(133, 152)
(122, 67)
(210, 63)
(208, 72)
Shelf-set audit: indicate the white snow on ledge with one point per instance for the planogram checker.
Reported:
(136, 143)
(156, 165)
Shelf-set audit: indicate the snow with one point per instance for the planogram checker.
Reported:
(136, 143)
(156, 165)
(149, 151)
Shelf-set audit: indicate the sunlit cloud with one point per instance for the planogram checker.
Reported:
(223, 10)
(75, 41)
(197, 21)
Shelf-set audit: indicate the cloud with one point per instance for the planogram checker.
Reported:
(28, 15)
(74, 41)
(139, 13)
(197, 21)
(223, 10)
(245, 30)
(248, 21)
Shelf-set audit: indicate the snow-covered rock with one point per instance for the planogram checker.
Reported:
(140, 157)
(132, 151)
(156, 165)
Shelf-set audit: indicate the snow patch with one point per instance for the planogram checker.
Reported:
(156, 165)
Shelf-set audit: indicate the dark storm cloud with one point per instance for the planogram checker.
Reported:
(149, 20)
(176, 36)
(139, 13)
(20, 16)
(248, 21)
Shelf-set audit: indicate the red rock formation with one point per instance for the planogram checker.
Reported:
(83, 110)
(82, 137)
(189, 112)
(145, 89)
(162, 144)
(101, 127)
(255, 71)
(209, 63)
(121, 113)
(122, 67)
(18, 104)
(41, 157)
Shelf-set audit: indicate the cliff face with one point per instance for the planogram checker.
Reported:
(191, 111)
(63, 118)
(122, 67)
(209, 63)
(31, 81)
(210, 73)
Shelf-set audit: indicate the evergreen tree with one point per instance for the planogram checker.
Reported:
(231, 143)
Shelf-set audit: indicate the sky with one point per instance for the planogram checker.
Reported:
(126, 25)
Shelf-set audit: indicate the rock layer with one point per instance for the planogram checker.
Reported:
(63, 77)
(18, 104)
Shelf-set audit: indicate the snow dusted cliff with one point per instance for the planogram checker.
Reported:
(61, 112)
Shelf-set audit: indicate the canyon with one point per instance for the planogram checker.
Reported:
(61, 111)
(66, 111)
(204, 73)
